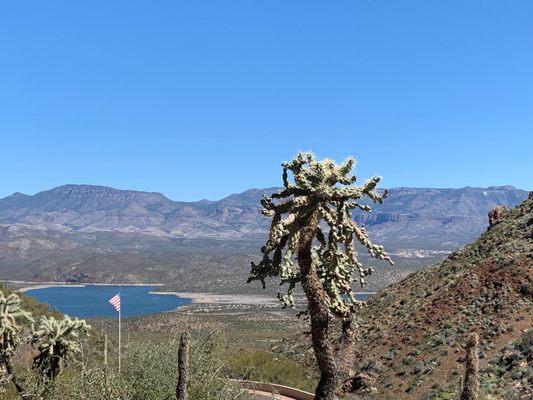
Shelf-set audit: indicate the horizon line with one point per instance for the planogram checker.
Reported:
(510, 187)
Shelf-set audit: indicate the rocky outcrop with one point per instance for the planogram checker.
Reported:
(496, 215)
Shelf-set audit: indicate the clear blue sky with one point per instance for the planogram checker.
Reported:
(203, 99)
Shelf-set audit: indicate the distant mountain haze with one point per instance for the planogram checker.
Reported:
(85, 232)
(408, 215)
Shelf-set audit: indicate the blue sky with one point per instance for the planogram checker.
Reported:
(203, 99)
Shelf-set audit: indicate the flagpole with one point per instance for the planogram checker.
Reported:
(119, 336)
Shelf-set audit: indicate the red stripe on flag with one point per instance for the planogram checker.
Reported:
(115, 302)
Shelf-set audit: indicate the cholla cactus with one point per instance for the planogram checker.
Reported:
(312, 224)
(11, 315)
(323, 191)
(56, 340)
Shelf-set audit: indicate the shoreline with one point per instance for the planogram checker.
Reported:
(194, 297)
(32, 285)
(214, 298)
(44, 286)
(228, 299)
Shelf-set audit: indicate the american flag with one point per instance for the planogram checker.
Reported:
(115, 301)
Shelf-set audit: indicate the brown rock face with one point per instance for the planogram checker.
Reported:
(496, 214)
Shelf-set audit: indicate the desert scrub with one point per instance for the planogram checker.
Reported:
(264, 366)
(408, 360)
(513, 366)
(152, 370)
(149, 372)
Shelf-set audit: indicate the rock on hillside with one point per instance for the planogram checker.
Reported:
(412, 334)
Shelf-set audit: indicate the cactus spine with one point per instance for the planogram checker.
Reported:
(471, 378)
(312, 224)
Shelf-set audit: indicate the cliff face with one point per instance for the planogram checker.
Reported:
(412, 335)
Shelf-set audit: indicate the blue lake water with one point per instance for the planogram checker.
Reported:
(92, 301)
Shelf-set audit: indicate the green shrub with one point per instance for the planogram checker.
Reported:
(264, 366)
(149, 372)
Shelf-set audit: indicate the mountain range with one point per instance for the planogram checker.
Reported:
(76, 224)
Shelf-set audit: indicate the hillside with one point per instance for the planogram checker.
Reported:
(412, 333)
(96, 233)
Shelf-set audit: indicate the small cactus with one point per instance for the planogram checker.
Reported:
(471, 378)
(11, 314)
(56, 340)
(183, 367)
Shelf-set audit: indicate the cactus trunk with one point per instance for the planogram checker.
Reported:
(183, 367)
(320, 320)
(14, 378)
(471, 379)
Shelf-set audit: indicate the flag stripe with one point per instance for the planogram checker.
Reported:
(115, 302)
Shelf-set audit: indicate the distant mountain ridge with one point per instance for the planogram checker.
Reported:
(444, 218)
(89, 208)
(85, 233)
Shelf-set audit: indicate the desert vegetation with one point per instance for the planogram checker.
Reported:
(458, 330)
(68, 362)
(325, 263)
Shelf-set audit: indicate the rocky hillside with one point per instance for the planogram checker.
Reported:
(412, 334)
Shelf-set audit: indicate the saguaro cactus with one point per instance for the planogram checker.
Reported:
(183, 367)
(312, 224)
(11, 314)
(471, 378)
(56, 340)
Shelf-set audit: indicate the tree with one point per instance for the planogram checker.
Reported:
(312, 224)
(56, 340)
(11, 314)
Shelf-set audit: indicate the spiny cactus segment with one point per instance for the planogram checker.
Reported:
(11, 315)
(56, 340)
(322, 193)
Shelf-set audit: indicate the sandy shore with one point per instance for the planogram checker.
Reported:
(198, 298)
(26, 288)
(213, 298)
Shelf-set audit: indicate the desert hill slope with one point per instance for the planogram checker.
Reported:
(412, 333)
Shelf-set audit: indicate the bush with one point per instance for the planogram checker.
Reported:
(264, 366)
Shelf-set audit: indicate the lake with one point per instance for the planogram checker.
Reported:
(91, 301)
